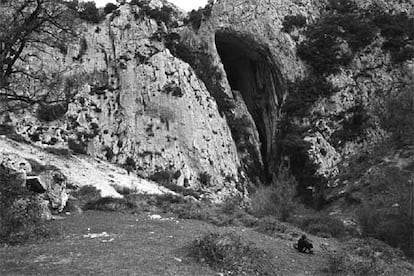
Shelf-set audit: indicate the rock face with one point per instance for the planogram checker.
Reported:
(138, 102)
(202, 104)
(250, 51)
(246, 46)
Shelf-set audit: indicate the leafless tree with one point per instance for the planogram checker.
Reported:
(30, 30)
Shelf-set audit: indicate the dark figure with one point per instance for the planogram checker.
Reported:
(129, 165)
(304, 245)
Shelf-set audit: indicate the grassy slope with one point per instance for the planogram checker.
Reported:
(141, 246)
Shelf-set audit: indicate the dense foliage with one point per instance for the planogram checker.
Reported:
(332, 41)
(398, 31)
(293, 21)
(165, 14)
(344, 29)
(89, 12)
(110, 7)
(195, 17)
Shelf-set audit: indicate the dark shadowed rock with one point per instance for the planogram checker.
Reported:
(33, 184)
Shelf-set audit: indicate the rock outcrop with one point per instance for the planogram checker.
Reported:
(13, 176)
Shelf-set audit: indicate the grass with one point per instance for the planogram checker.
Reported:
(270, 226)
(141, 246)
(159, 247)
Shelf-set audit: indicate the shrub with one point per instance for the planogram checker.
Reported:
(387, 212)
(355, 121)
(77, 146)
(87, 193)
(292, 21)
(337, 263)
(129, 164)
(109, 153)
(51, 112)
(165, 177)
(58, 151)
(110, 7)
(20, 213)
(229, 252)
(394, 229)
(173, 89)
(397, 29)
(205, 179)
(182, 190)
(89, 12)
(277, 199)
(342, 263)
(187, 208)
(332, 41)
(322, 225)
(110, 204)
(366, 257)
(195, 17)
(304, 93)
(165, 14)
(82, 49)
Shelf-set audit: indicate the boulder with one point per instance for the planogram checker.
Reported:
(14, 169)
(54, 183)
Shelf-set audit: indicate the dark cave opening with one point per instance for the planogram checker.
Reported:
(251, 71)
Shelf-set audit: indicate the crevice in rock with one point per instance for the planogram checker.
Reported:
(255, 79)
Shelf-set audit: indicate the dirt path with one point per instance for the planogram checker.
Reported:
(138, 245)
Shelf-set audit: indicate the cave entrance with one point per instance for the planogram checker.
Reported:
(251, 71)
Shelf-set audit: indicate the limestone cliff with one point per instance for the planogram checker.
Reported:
(250, 48)
(215, 101)
(137, 103)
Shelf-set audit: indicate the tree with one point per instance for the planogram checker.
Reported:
(29, 29)
(89, 12)
(110, 7)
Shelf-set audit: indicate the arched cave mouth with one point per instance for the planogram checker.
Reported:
(251, 71)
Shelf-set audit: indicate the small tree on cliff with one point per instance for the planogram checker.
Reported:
(28, 31)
